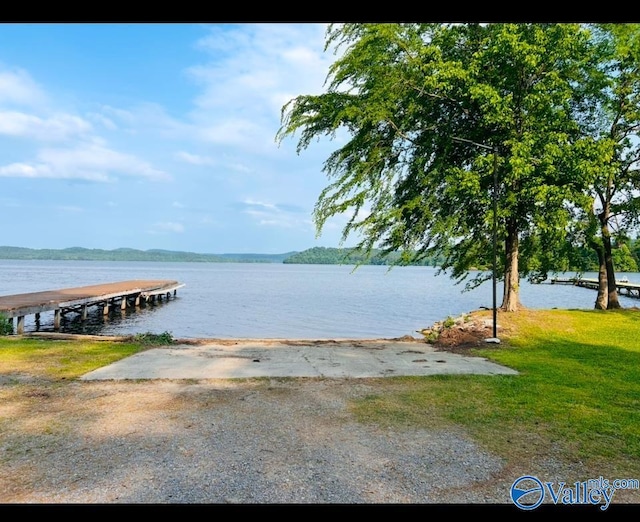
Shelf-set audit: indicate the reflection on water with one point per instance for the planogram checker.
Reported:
(96, 321)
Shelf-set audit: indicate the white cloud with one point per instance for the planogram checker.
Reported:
(122, 115)
(254, 70)
(286, 221)
(102, 120)
(239, 167)
(149, 118)
(40, 170)
(57, 128)
(269, 206)
(17, 87)
(205, 161)
(233, 131)
(89, 162)
(22, 170)
(194, 159)
(271, 214)
(94, 158)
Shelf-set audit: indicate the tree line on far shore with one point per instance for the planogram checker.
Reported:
(132, 254)
(626, 256)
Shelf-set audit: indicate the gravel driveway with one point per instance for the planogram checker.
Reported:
(225, 441)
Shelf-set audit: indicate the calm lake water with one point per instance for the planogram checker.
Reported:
(270, 300)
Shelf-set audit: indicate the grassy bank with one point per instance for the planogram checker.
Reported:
(576, 400)
(58, 360)
(67, 359)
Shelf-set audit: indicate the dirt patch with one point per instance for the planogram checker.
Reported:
(457, 340)
(459, 335)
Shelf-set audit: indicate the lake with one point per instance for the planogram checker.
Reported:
(273, 300)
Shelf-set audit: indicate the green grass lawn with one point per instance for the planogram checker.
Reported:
(60, 360)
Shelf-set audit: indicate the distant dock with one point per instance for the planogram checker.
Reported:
(623, 287)
(78, 300)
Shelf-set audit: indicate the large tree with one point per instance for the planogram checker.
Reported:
(611, 151)
(432, 112)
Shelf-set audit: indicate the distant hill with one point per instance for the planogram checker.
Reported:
(258, 258)
(315, 255)
(131, 254)
(346, 256)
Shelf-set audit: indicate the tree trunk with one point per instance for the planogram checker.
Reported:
(511, 294)
(612, 288)
(602, 298)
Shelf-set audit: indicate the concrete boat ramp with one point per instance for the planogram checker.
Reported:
(241, 359)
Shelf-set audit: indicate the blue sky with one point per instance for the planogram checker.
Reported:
(159, 136)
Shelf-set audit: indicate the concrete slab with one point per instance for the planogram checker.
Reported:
(260, 358)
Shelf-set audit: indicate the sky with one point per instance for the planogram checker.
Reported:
(160, 136)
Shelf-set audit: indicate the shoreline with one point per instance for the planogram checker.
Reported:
(207, 340)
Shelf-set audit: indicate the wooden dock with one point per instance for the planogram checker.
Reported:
(624, 287)
(79, 299)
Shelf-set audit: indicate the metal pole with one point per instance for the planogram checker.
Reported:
(495, 240)
(494, 339)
